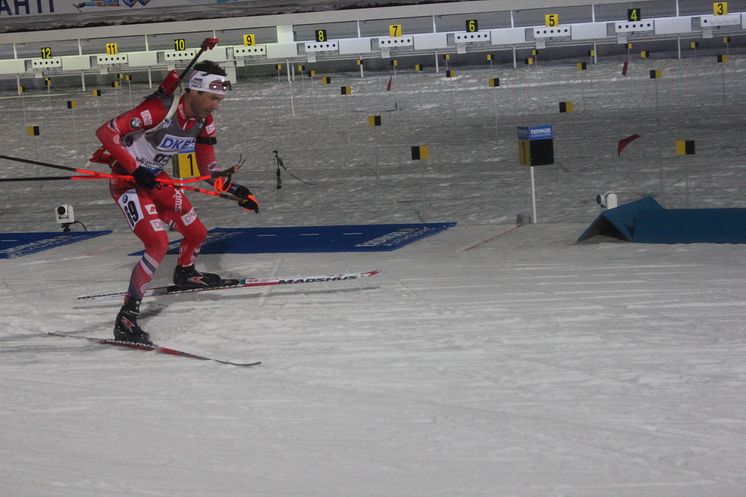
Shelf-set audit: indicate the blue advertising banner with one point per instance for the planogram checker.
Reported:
(344, 238)
(20, 244)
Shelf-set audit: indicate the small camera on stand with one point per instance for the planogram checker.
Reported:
(607, 200)
(65, 216)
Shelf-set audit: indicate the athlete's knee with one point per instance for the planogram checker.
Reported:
(157, 246)
(195, 232)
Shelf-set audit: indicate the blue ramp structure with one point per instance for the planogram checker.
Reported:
(20, 244)
(344, 238)
(691, 226)
(646, 221)
(620, 221)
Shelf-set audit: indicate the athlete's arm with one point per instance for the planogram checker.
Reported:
(140, 118)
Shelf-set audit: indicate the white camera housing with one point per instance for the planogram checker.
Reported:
(64, 214)
(607, 200)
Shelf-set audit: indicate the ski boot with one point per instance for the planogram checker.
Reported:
(189, 277)
(126, 328)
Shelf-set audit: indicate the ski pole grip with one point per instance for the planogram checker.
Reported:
(209, 43)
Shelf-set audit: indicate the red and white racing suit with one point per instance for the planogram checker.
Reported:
(146, 137)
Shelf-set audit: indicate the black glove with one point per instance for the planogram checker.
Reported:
(144, 178)
(246, 199)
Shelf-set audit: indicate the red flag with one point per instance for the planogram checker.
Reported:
(624, 142)
(388, 86)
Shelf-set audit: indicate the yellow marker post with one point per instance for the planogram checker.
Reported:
(185, 165)
(685, 147)
(420, 152)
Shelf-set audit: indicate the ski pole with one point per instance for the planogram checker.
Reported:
(171, 183)
(87, 174)
(46, 178)
(204, 191)
(47, 164)
(89, 177)
(207, 44)
(99, 174)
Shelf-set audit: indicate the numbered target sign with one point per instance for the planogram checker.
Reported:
(112, 49)
(634, 15)
(395, 30)
(185, 165)
(249, 40)
(320, 35)
(179, 44)
(720, 8)
(46, 52)
(472, 26)
(551, 20)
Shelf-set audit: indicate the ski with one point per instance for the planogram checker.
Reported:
(154, 348)
(239, 283)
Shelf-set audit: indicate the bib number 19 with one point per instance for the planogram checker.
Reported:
(130, 205)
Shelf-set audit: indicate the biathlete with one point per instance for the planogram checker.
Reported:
(140, 143)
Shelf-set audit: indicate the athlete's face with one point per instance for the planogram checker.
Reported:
(200, 104)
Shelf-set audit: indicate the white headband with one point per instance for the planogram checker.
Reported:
(211, 83)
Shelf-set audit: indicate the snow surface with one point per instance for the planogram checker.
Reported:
(488, 360)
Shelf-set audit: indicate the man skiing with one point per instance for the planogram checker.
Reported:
(140, 143)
